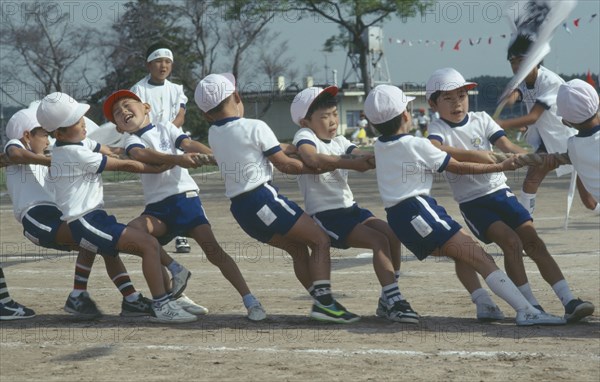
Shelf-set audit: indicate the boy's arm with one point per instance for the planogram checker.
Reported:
(526, 120)
(513, 97)
(291, 166)
(18, 155)
(506, 146)
(153, 157)
(128, 165)
(180, 118)
(115, 152)
(463, 155)
(309, 155)
(466, 168)
(192, 146)
(4, 161)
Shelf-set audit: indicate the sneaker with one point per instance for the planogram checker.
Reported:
(15, 311)
(179, 282)
(332, 313)
(190, 306)
(382, 308)
(170, 312)
(542, 318)
(401, 311)
(82, 307)
(181, 245)
(577, 309)
(138, 308)
(488, 313)
(256, 313)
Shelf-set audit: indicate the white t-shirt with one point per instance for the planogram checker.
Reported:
(478, 133)
(164, 138)
(584, 151)
(241, 147)
(330, 190)
(26, 184)
(75, 178)
(165, 100)
(548, 129)
(405, 166)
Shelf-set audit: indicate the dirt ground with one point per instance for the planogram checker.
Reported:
(448, 344)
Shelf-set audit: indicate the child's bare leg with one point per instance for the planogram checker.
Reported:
(157, 228)
(462, 247)
(533, 179)
(395, 245)
(300, 257)
(141, 244)
(363, 236)
(588, 200)
(217, 256)
(308, 232)
(510, 244)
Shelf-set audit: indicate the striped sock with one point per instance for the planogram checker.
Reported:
(82, 273)
(322, 292)
(392, 293)
(397, 277)
(125, 286)
(161, 300)
(4, 296)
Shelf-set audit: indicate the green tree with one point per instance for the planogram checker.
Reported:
(354, 17)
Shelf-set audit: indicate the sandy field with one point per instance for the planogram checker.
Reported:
(449, 344)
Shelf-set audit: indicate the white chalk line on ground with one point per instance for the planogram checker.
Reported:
(337, 352)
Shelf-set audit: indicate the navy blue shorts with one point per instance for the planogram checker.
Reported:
(98, 232)
(262, 212)
(338, 223)
(181, 213)
(40, 226)
(421, 225)
(502, 205)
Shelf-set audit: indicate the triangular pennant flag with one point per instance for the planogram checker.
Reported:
(409, 43)
(503, 35)
(490, 41)
(592, 17)
(442, 45)
(590, 79)
(390, 40)
(478, 40)
(566, 28)
(457, 45)
(576, 22)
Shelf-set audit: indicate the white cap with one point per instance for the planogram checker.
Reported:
(446, 79)
(214, 89)
(577, 101)
(59, 110)
(305, 98)
(160, 53)
(22, 121)
(384, 103)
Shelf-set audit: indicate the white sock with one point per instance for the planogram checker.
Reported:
(526, 291)
(174, 267)
(596, 211)
(481, 296)
(504, 288)
(132, 297)
(249, 300)
(563, 291)
(76, 292)
(528, 201)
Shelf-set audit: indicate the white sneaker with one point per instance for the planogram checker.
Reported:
(190, 306)
(487, 312)
(170, 312)
(256, 313)
(541, 318)
(179, 282)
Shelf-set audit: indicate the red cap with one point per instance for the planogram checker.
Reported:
(113, 98)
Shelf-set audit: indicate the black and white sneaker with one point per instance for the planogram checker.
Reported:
(182, 245)
(82, 307)
(15, 311)
(577, 309)
(402, 312)
(138, 308)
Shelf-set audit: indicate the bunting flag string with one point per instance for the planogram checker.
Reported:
(477, 40)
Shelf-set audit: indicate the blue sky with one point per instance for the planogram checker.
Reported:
(450, 21)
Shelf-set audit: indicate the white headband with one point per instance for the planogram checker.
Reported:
(160, 53)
